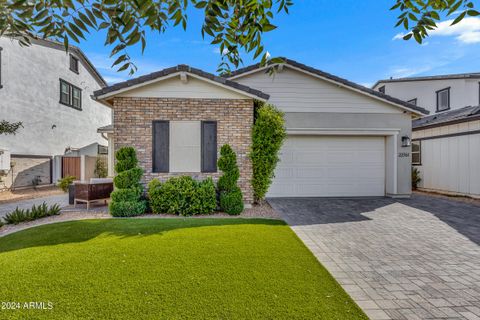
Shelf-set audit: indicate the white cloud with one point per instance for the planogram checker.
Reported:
(466, 31)
(398, 36)
(416, 65)
(103, 63)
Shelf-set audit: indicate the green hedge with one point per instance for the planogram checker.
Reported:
(268, 135)
(183, 196)
(232, 202)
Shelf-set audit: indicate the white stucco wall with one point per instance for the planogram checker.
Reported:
(463, 92)
(30, 93)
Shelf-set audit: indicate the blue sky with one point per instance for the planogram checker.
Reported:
(349, 38)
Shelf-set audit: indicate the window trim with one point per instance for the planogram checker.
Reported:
(413, 101)
(70, 95)
(202, 151)
(381, 89)
(419, 152)
(439, 91)
(72, 57)
(154, 144)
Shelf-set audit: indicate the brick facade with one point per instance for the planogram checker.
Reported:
(133, 127)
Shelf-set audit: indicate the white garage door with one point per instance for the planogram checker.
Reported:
(330, 166)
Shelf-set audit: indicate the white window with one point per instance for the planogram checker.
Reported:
(416, 153)
(185, 142)
(443, 99)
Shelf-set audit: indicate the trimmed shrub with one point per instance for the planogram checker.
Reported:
(65, 182)
(129, 178)
(127, 208)
(228, 164)
(183, 196)
(36, 212)
(268, 135)
(232, 202)
(126, 198)
(133, 194)
(231, 198)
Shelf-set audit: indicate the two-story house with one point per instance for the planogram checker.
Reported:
(446, 143)
(49, 90)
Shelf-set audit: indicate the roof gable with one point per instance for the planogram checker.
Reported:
(207, 86)
(332, 79)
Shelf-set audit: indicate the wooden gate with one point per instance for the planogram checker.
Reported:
(71, 167)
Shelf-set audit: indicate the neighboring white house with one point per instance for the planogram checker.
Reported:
(344, 140)
(446, 144)
(435, 93)
(49, 91)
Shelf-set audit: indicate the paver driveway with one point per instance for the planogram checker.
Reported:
(415, 258)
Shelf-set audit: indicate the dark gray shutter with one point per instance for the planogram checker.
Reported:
(209, 146)
(161, 146)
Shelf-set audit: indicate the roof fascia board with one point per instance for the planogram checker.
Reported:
(178, 74)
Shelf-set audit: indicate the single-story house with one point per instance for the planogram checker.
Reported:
(446, 151)
(344, 140)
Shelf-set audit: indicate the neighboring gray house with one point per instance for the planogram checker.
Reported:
(49, 90)
(446, 144)
(344, 140)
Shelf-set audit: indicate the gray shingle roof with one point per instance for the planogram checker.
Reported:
(472, 75)
(444, 118)
(332, 77)
(105, 129)
(185, 68)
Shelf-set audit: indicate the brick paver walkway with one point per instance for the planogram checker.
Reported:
(416, 258)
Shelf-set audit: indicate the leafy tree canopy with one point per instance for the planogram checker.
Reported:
(419, 17)
(9, 127)
(233, 25)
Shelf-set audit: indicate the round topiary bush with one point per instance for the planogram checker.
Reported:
(126, 198)
(232, 202)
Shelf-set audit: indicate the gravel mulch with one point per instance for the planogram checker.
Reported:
(464, 199)
(69, 213)
(7, 196)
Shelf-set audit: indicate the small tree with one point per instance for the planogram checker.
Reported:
(267, 139)
(126, 198)
(231, 198)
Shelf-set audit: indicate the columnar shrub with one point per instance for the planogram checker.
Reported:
(267, 138)
(126, 198)
(231, 198)
(182, 195)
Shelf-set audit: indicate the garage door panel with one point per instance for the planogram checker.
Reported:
(329, 166)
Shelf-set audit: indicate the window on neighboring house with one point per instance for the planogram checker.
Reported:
(381, 89)
(417, 152)
(184, 146)
(1, 86)
(73, 64)
(443, 99)
(413, 101)
(70, 95)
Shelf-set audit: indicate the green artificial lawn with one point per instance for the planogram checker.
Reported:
(167, 269)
